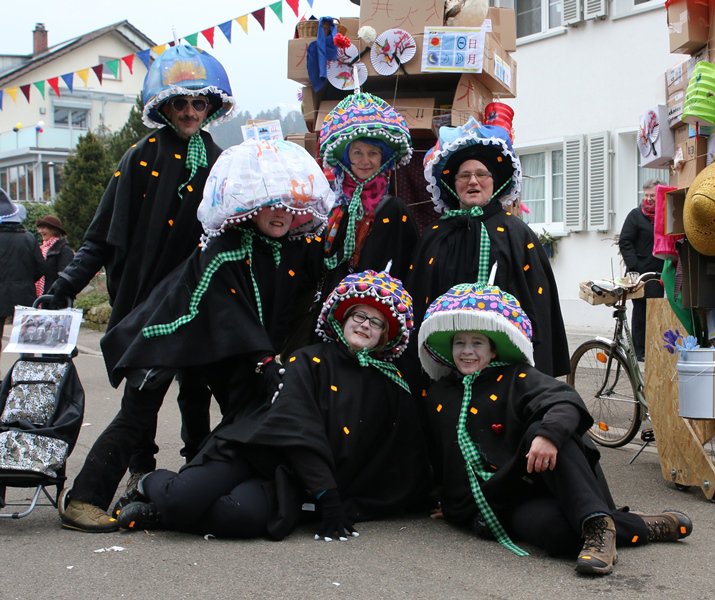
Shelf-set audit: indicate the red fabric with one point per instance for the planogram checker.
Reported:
(44, 248)
(372, 192)
(663, 245)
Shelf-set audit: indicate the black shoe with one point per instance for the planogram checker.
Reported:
(130, 495)
(139, 515)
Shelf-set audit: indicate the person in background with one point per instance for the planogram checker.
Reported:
(512, 450)
(21, 260)
(636, 246)
(144, 227)
(55, 250)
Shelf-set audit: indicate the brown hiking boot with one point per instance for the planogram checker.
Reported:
(82, 516)
(668, 526)
(598, 554)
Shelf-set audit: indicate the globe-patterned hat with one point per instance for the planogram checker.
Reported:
(383, 292)
(472, 307)
(362, 115)
(186, 71)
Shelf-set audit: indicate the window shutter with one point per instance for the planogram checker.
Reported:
(598, 182)
(595, 9)
(572, 12)
(573, 182)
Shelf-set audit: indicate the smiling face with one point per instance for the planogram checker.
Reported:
(273, 223)
(366, 334)
(365, 159)
(476, 190)
(46, 232)
(472, 351)
(188, 120)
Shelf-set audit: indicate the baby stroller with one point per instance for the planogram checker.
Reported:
(41, 411)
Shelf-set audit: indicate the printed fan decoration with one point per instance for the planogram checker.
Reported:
(340, 71)
(648, 132)
(391, 50)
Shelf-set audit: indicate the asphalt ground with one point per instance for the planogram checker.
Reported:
(410, 558)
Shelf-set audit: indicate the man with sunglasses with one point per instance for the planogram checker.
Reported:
(144, 227)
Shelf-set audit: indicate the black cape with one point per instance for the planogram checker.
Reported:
(228, 322)
(142, 229)
(448, 254)
(514, 403)
(361, 427)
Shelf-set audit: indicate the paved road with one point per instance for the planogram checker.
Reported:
(402, 558)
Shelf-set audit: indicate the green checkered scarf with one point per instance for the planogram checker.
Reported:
(366, 360)
(476, 469)
(484, 243)
(244, 252)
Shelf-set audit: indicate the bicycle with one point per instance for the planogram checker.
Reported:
(605, 372)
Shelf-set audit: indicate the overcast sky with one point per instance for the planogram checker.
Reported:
(256, 63)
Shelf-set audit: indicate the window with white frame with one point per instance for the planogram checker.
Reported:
(71, 117)
(626, 8)
(543, 186)
(537, 16)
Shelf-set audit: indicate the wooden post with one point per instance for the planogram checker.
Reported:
(684, 445)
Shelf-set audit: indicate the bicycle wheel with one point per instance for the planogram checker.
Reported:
(604, 381)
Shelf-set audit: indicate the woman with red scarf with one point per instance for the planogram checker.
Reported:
(363, 139)
(636, 245)
(55, 250)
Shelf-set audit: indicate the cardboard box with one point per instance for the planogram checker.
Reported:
(659, 152)
(688, 25)
(410, 15)
(698, 278)
(504, 26)
(351, 24)
(470, 98)
(674, 106)
(298, 59)
(677, 77)
(418, 112)
(674, 203)
(308, 140)
(309, 107)
(693, 152)
(498, 69)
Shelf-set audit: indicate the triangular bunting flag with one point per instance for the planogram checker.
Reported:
(294, 5)
(193, 39)
(25, 89)
(129, 61)
(68, 78)
(277, 7)
(310, 3)
(83, 75)
(226, 29)
(98, 70)
(13, 93)
(243, 22)
(40, 85)
(209, 35)
(113, 66)
(260, 16)
(159, 50)
(55, 85)
(145, 56)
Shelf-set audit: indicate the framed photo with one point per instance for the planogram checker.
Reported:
(39, 331)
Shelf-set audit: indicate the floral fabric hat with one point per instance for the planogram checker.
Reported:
(472, 307)
(364, 115)
(383, 292)
(265, 174)
(186, 71)
(489, 144)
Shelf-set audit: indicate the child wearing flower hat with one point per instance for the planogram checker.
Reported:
(343, 426)
(511, 447)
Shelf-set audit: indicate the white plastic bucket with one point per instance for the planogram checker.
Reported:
(696, 383)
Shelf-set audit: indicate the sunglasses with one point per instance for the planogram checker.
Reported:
(198, 104)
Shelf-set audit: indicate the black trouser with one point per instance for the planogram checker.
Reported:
(653, 289)
(219, 497)
(109, 457)
(194, 401)
(552, 515)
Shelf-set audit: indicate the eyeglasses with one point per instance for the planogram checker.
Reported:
(198, 104)
(361, 317)
(466, 176)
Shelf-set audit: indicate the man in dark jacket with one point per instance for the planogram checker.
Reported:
(21, 260)
(636, 245)
(145, 226)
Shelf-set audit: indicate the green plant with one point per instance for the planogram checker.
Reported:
(91, 299)
(548, 241)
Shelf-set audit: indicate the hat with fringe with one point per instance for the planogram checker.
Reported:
(472, 307)
(362, 115)
(489, 144)
(260, 174)
(186, 71)
(379, 290)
